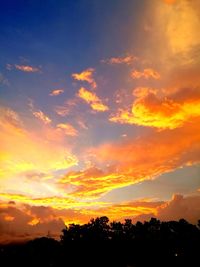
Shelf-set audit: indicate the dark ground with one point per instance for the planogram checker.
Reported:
(99, 243)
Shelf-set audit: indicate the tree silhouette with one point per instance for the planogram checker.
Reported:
(103, 243)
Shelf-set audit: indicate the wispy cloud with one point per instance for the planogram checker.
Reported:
(41, 116)
(3, 80)
(67, 128)
(27, 68)
(92, 99)
(67, 107)
(146, 73)
(87, 76)
(24, 68)
(120, 60)
(56, 92)
(62, 110)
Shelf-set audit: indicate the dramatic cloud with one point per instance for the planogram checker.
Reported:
(86, 76)
(120, 60)
(146, 73)
(41, 116)
(49, 177)
(56, 92)
(167, 111)
(68, 129)
(137, 159)
(92, 99)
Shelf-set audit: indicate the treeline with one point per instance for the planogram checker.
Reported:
(100, 243)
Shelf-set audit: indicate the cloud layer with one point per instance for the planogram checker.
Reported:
(24, 222)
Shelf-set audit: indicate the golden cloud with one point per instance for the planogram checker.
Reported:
(53, 202)
(87, 76)
(167, 111)
(56, 92)
(92, 99)
(146, 73)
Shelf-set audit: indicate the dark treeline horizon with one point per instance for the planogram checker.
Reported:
(104, 243)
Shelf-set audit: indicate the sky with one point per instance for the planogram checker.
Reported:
(99, 113)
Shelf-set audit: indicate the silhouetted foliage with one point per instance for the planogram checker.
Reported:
(100, 243)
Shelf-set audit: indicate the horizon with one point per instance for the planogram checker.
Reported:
(99, 113)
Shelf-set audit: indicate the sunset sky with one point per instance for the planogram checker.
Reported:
(99, 112)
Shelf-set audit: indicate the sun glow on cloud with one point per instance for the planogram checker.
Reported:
(87, 76)
(92, 99)
(26, 151)
(165, 112)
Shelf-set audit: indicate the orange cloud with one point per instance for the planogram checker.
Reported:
(146, 73)
(41, 116)
(87, 76)
(92, 99)
(120, 60)
(68, 129)
(27, 68)
(56, 92)
(137, 159)
(93, 182)
(164, 112)
(9, 218)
